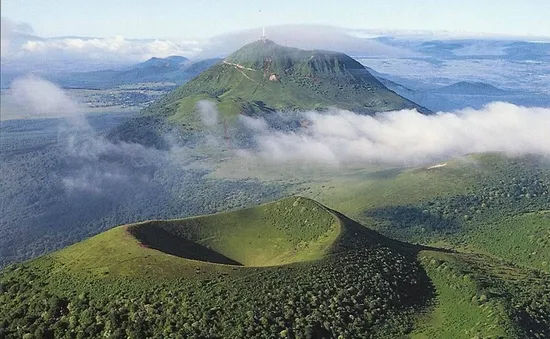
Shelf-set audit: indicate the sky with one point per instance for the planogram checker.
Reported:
(177, 19)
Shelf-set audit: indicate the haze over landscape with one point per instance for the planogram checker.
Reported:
(292, 170)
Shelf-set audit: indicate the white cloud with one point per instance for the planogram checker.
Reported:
(19, 46)
(95, 164)
(407, 137)
(255, 124)
(208, 112)
(38, 97)
(427, 35)
(306, 37)
(12, 35)
(10, 27)
(109, 48)
(22, 51)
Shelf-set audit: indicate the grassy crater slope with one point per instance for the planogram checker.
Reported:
(291, 269)
(283, 232)
(287, 231)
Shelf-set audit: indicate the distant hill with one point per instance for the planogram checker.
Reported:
(174, 61)
(471, 88)
(174, 69)
(459, 95)
(394, 86)
(261, 78)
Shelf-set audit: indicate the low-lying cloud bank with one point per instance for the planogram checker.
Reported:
(306, 37)
(92, 163)
(38, 97)
(20, 44)
(108, 48)
(333, 138)
(23, 51)
(406, 137)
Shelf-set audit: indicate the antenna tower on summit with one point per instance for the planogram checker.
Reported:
(263, 37)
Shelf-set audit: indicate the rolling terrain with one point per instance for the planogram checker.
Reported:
(347, 280)
(256, 237)
(228, 275)
(41, 211)
(458, 248)
(485, 272)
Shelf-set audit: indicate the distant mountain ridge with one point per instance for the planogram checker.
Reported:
(173, 61)
(173, 69)
(458, 95)
(471, 88)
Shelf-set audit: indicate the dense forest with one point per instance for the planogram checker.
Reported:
(506, 213)
(56, 193)
(366, 286)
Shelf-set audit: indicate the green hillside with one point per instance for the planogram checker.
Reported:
(478, 296)
(485, 203)
(264, 77)
(287, 231)
(291, 269)
(274, 234)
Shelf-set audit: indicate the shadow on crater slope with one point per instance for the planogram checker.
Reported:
(283, 232)
(157, 238)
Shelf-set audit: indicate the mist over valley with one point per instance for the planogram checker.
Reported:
(317, 182)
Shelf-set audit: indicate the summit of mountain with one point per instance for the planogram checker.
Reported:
(264, 77)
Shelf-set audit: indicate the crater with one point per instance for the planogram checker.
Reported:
(152, 236)
(287, 231)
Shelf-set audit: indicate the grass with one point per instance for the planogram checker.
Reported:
(462, 309)
(523, 239)
(354, 195)
(229, 275)
(287, 231)
(490, 188)
(311, 272)
(117, 253)
(353, 191)
(511, 229)
(242, 262)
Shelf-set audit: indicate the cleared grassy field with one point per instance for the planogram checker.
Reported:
(461, 307)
